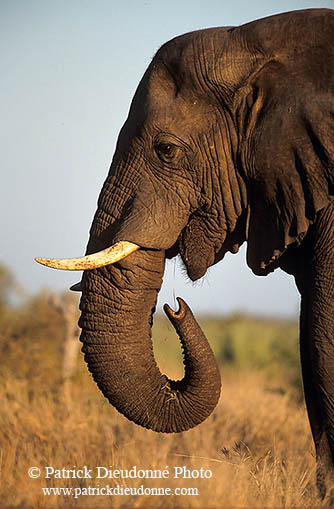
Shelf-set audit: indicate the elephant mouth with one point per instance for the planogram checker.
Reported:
(111, 255)
(192, 244)
(196, 266)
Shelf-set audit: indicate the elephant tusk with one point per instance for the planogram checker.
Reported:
(110, 255)
(77, 287)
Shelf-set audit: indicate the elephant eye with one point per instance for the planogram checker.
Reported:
(165, 151)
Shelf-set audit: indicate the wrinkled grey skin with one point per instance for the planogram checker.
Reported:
(229, 139)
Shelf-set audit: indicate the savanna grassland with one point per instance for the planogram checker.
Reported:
(256, 447)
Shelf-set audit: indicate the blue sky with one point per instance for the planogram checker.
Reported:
(68, 72)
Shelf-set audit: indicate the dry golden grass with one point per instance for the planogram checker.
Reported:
(257, 445)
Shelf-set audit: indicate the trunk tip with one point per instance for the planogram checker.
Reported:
(77, 287)
(180, 313)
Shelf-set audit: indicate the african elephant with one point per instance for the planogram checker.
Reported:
(229, 138)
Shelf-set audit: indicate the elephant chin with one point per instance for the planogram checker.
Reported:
(199, 252)
(198, 265)
(196, 251)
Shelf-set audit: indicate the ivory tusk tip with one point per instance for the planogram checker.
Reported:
(77, 287)
(49, 262)
(42, 261)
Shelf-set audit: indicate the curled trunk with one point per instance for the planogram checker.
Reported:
(117, 306)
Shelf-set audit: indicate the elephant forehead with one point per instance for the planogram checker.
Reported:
(161, 107)
(174, 110)
(169, 87)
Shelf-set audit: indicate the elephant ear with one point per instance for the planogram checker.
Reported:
(290, 136)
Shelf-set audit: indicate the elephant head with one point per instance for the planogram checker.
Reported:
(221, 145)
